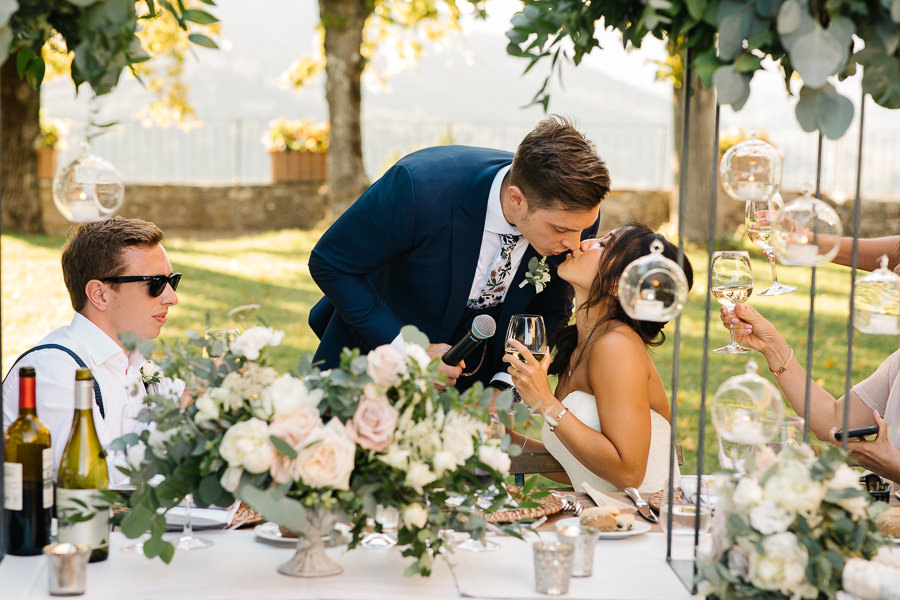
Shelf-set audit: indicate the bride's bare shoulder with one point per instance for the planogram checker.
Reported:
(618, 343)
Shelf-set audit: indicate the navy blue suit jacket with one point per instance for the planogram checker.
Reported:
(406, 252)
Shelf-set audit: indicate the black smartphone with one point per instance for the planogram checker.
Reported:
(857, 433)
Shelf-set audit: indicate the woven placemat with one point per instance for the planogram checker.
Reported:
(549, 505)
(245, 517)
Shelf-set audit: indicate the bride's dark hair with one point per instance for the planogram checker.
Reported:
(628, 243)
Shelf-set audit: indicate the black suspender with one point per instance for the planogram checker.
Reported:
(98, 397)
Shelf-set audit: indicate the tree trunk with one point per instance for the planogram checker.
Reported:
(20, 188)
(699, 163)
(343, 21)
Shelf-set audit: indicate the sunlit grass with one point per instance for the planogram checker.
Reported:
(271, 269)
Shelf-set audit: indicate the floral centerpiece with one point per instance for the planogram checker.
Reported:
(286, 135)
(309, 447)
(786, 528)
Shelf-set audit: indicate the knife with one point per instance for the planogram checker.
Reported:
(642, 507)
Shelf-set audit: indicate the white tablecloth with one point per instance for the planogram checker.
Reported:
(237, 567)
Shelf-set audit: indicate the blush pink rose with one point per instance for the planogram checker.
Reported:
(294, 429)
(327, 460)
(373, 423)
(385, 365)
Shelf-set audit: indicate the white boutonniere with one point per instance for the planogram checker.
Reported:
(538, 274)
(151, 372)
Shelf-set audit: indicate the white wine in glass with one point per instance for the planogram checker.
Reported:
(758, 219)
(529, 330)
(732, 282)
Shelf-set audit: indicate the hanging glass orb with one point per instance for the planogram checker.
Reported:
(747, 409)
(653, 288)
(751, 170)
(806, 232)
(876, 304)
(88, 189)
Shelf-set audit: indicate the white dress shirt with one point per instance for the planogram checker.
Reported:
(119, 377)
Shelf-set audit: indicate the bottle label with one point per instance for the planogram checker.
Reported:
(77, 504)
(47, 476)
(12, 486)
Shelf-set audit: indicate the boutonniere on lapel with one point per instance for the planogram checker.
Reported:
(150, 372)
(538, 274)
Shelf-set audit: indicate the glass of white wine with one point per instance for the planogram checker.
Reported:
(529, 330)
(732, 282)
(758, 219)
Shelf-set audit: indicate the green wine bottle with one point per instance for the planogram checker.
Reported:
(82, 474)
(28, 476)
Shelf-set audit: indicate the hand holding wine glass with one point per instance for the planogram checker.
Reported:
(758, 219)
(731, 282)
(530, 331)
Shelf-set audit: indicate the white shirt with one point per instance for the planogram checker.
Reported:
(118, 375)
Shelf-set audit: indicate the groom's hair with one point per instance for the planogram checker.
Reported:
(556, 166)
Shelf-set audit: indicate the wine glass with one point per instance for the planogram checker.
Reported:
(758, 219)
(389, 519)
(219, 340)
(187, 540)
(528, 330)
(732, 282)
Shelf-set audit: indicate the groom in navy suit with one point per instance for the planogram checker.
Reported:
(447, 234)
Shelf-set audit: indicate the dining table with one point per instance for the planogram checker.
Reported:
(242, 566)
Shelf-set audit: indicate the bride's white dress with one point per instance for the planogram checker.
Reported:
(584, 406)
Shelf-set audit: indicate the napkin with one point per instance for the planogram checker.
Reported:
(601, 499)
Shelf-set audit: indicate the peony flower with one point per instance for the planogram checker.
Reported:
(296, 428)
(418, 476)
(792, 488)
(288, 395)
(327, 459)
(207, 408)
(768, 518)
(415, 515)
(747, 493)
(385, 365)
(246, 444)
(251, 342)
(845, 478)
(782, 566)
(457, 436)
(231, 479)
(373, 422)
(495, 458)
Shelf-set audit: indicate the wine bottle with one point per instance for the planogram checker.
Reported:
(82, 474)
(28, 476)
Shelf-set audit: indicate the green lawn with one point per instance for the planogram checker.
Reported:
(270, 269)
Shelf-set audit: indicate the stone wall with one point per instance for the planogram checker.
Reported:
(194, 210)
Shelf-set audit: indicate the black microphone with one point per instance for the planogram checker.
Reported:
(483, 327)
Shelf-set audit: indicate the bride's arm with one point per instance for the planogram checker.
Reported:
(618, 375)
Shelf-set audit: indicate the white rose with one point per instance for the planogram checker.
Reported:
(251, 342)
(747, 494)
(134, 455)
(792, 488)
(418, 355)
(289, 395)
(225, 397)
(782, 566)
(385, 365)
(415, 515)
(457, 438)
(231, 478)
(418, 476)
(495, 458)
(768, 518)
(845, 478)
(207, 408)
(327, 459)
(246, 444)
(444, 461)
(151, 371)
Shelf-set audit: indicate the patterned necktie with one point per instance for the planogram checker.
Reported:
(500, 277)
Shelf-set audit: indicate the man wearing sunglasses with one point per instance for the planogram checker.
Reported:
(119, 280)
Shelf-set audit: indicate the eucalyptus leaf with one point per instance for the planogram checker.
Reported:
(731, 87)
(767, 8)
(696, 8)
(272, 504)
(805, 25)
(889, 34)
(790, 17)
(733, 29)
(82, 3)
(895, 11)
(824, 109)
(881, 77)
(411, 334)
(203, 40)
(136, 522)
(816, 56)
(199, 16)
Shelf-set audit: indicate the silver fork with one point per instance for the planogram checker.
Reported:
(570, 504)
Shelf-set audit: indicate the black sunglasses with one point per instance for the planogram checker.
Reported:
(155, 283)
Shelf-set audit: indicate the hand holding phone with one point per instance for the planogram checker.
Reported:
(857, 433)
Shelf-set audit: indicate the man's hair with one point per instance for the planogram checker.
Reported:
(556, 165)
(95, 251)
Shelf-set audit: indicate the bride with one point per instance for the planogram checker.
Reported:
(607, 422)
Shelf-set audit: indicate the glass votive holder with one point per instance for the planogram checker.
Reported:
(67, 568)
(582, 539)
(552, 567)
(685, 517)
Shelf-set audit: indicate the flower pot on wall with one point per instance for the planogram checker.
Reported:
(46, 162)
(298, 166)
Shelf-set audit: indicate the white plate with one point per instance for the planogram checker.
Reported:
(639, 528)
(201, 518)
(269, 532)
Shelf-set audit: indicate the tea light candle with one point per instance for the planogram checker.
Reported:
(884, 324)
(745, 431)
(648, 310)
(67, 568)
(84, 210)
(802, 254)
